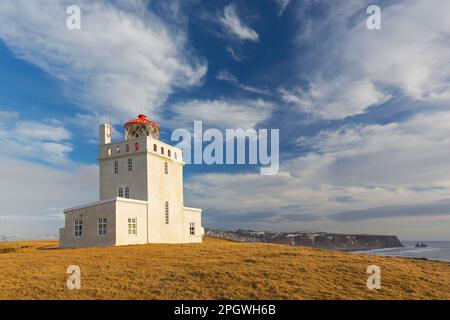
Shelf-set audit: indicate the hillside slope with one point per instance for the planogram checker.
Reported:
(216, 269)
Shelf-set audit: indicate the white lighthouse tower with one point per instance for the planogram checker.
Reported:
(141, 194)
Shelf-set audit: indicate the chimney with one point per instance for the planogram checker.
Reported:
(104, 134)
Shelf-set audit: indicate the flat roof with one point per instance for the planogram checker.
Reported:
(105, 201)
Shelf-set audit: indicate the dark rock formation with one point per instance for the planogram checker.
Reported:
(322, 240)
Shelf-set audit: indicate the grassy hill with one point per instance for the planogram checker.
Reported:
(216, 269)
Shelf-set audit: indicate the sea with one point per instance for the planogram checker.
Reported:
(435, 250)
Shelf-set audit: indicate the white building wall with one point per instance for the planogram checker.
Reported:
(135, 180)
(164, 187)
(89, 214)
(125, 210)
(149, 186)
(193, 215)
(116, 211)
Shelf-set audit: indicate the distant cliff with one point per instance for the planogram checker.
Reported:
(322, 240)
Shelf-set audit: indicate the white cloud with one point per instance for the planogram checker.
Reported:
(48, 142)
(229, 77)
(7, 115)
(394, 155)
(359, 68)
(124, 54)
(222, 113)
(234, 54)
(33, 196)
(282, 4)
(39, 131)
(352, 168)
(234, 26)
(335, 100)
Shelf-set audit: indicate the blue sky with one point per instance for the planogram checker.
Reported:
(363, 114)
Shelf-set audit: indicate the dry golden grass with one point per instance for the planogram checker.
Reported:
(216, 269)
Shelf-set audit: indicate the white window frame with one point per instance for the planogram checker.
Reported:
(132, 226)
(78, 228)
(102, 226)
(192, 228)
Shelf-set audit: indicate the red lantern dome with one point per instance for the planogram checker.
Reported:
(141, 127)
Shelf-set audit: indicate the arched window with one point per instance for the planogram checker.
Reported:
(136, 146)
(127, 192)
(155, 148)
(108, 151)
(162, 150)
(166, 212)
(168, 153)
(166, 168)
(117, 149)
(127, 148)
(116, 167)
(120, 193)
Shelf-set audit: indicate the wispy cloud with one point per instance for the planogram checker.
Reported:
(282, 4)
(438, 208)
(222, 113)
(349, 169)
(229, 77)
(47, 141)
(356, 68)
(233, 25)
(234, 54)
(124, 55)
(33, 196)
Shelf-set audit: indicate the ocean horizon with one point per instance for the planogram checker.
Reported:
(435, 250)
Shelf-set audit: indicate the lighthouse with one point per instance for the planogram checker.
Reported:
(140, 197)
